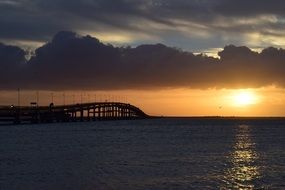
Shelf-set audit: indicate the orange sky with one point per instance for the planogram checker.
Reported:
(267, 101)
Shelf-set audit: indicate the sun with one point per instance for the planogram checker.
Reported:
(244, 98)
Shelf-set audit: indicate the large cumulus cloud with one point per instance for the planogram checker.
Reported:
(12, 61)
(70, 61)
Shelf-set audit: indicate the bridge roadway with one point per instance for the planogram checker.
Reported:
(66, 113)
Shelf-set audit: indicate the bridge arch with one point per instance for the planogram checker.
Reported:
(103, 110)
(73, 112)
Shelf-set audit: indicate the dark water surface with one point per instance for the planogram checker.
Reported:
(144, 154)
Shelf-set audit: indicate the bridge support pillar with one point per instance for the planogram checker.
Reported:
(81, 114)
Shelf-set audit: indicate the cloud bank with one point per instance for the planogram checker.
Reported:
(73, 62)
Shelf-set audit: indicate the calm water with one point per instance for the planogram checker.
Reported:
(145, 154)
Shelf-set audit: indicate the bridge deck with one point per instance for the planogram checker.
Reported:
(73, 112)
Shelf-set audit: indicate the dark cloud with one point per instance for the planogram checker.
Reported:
(11, 55)
(70, 61)
(39, 20)
(11, 62)
(244, 8)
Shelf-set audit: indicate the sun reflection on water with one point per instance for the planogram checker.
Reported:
(243, 170)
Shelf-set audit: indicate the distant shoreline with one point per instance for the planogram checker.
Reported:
(219, 117)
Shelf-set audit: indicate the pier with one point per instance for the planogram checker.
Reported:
(69, 113)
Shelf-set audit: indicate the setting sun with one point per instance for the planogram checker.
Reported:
(244, 98)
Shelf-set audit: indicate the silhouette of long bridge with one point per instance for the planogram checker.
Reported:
(67, 113)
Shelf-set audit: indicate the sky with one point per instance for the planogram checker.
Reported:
(171, 57)
(193, 25)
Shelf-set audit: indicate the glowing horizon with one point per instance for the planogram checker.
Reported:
(267, 101)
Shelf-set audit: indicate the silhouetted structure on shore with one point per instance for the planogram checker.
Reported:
(67, 113)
